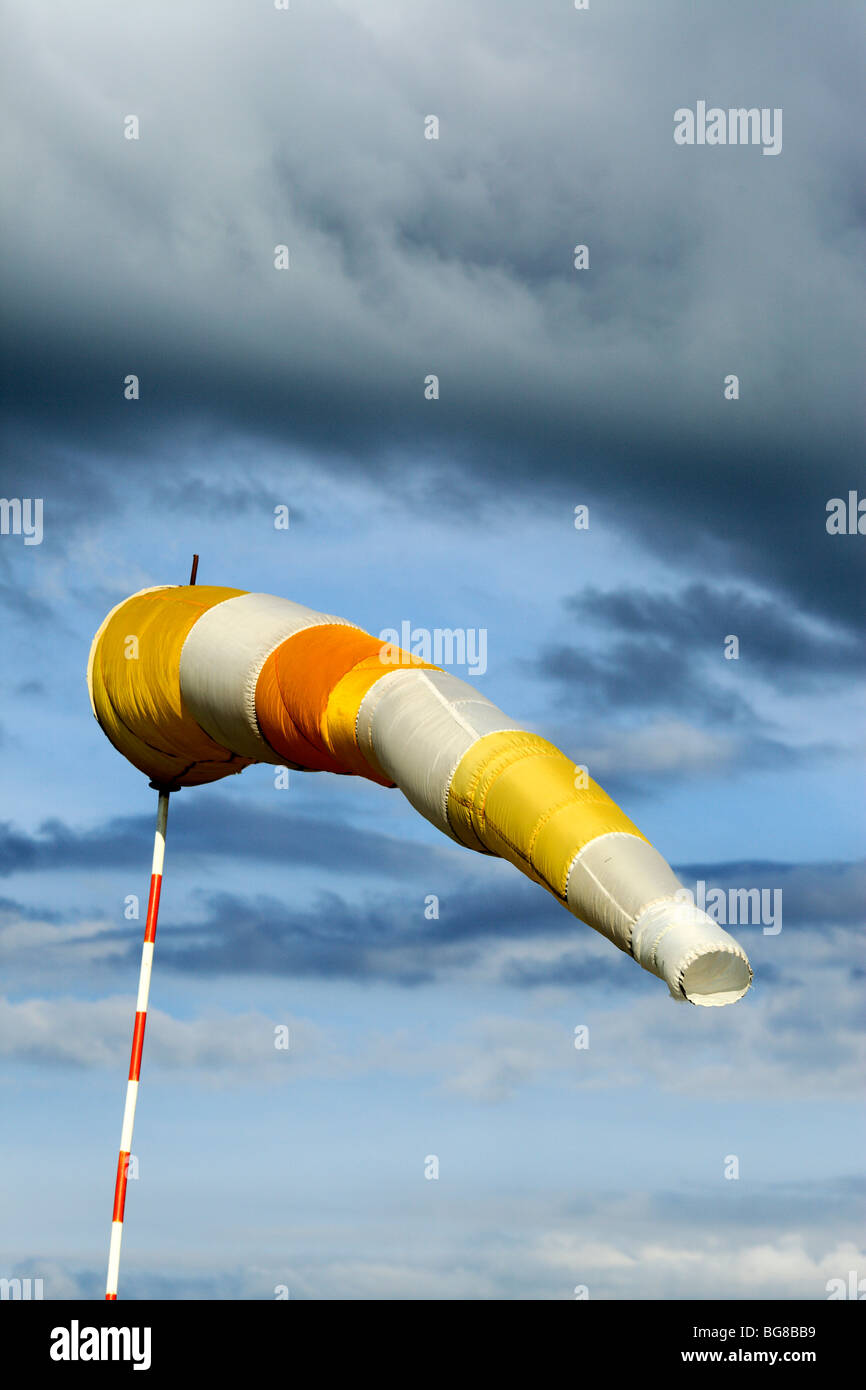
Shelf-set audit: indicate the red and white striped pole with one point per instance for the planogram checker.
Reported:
(137, 1045)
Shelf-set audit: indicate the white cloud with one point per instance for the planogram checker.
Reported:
(711, 1267)
(98, 1033)
(664, 746)
(545, 1266)
(796, 1035)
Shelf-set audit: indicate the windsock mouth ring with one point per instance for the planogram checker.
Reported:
(699, 960)
(715, 978)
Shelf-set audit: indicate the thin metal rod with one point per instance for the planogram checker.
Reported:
(137, 1046)
(194, 571)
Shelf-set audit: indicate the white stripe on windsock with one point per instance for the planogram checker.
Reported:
(416, 725)
(613, 879)
(222, 659)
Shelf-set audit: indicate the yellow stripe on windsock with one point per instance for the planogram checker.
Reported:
(310, 690)
(514, 794)
(135, 686)
(340, 722)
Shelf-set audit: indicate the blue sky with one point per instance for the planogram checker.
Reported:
(304, 906)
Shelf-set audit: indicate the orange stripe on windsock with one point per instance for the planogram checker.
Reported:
(296, 684)
(346, 698)
(137, 1045)
(281, 722)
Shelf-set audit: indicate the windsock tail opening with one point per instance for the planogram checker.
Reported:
(698, 960)
(716, 977)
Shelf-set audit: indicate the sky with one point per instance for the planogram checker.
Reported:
(710, 1153)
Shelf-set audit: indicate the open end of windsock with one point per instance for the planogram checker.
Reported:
(716, 977)
(698, 960)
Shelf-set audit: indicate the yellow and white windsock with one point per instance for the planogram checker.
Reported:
(192, 683)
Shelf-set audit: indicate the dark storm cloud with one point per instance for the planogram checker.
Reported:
(569, 969)
(641, 674)
(758, 754)
(335, 940)
(390, 939)
(452, 256)
(665, 652)
(773, 640)
(215, 827)
(200, 496)
(11, 911)
(386, 940)
(18, 601)
(813, 893)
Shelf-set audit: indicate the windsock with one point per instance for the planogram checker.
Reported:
(194, 682)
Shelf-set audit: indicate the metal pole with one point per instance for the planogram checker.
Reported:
(137, 1045)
